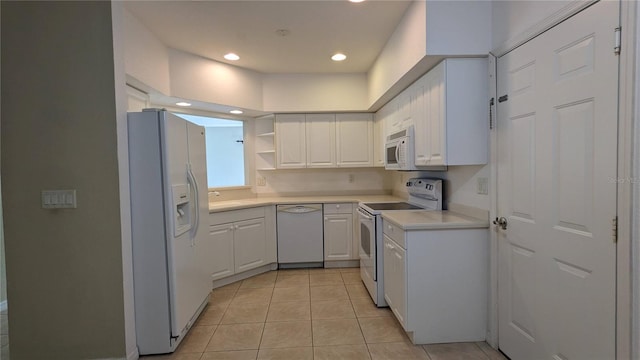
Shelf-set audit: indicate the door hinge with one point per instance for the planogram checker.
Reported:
(491, 102)
(614, 229)
(618, 40)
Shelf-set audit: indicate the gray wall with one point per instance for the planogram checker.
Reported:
(58, 118)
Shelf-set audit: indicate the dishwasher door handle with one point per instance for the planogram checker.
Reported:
(299, 209)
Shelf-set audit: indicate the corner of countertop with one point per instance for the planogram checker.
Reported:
(469, 211)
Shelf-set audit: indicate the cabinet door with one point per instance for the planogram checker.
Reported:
(338, 236)
(421, 122)
(395, 279)
(405, 117)
(379, 138)
(389, 275)
(221, 251)
(400, 290)
(321, 140)
(354, 134)
(436, 116)
(290, 141)
(249, 244)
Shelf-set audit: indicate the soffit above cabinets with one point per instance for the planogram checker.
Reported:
(317, 30)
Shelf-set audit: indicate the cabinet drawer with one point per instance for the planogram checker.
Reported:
(394, 232)
(235, 215)
(342, 208)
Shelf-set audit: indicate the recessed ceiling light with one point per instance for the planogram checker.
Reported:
(232, 57)
(237, 112)
(183, 103)
(356, 1)
(338, 57)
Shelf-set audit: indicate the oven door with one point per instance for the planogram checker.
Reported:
(367, 248)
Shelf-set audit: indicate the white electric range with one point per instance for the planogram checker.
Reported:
(424, 193)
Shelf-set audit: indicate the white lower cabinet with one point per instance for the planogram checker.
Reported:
(436, 281)
(241, 240)
(338, 232)
(249, 245)
(395, 292)
(221, 238)
(338, 235)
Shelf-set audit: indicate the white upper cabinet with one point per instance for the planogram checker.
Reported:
(449, 109)
(354, 137)
(324, 140)
(321, 140)
(379, 137)
(453, 125)
(291, 148)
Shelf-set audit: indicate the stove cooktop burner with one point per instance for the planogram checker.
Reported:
(392, 206)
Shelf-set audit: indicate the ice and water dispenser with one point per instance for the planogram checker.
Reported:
(182, 209)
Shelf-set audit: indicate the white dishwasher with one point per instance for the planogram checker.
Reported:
(300, 236)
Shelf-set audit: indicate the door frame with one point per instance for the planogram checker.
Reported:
(628, 198)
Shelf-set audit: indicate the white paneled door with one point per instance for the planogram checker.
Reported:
(557, 155)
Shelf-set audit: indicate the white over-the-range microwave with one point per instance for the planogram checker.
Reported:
(399, 150)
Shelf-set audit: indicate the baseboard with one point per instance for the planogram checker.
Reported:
(244, 275)
(133, 355)
(342, 264)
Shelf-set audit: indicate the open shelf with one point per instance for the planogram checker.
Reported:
(265, 149)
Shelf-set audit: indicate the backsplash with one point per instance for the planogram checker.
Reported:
(324, 182)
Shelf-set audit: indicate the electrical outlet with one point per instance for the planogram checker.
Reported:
(482, 186)
(261, 181)
(351, 178)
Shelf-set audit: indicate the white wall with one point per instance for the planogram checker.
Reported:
(146, 58)
(118, 18)
(60, 130)
(325, 182)
(458, 27)
(511, 18)
(197, 78)
(404, 49)
(315, 92)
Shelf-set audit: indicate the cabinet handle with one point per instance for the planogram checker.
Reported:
(390, 227)
(338, 206)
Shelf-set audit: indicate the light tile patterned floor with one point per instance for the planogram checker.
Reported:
(321, 314)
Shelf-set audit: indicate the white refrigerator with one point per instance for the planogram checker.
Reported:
(169, 209)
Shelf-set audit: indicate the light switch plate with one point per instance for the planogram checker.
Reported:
(261, 181)
(483, 186)
(59, 199)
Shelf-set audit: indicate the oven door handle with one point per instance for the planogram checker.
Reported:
(364, 214)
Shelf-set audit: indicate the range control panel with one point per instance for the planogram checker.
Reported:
(425, 188)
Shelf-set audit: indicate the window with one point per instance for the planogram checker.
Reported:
(225, 150)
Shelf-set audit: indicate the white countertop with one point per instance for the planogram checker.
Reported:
(433, 220)
(217, 206)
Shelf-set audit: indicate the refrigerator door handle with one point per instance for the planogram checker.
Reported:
(196, 223)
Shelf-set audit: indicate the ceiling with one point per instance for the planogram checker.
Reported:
(317, 30)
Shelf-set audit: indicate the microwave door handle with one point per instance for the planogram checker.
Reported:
(398, 153)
